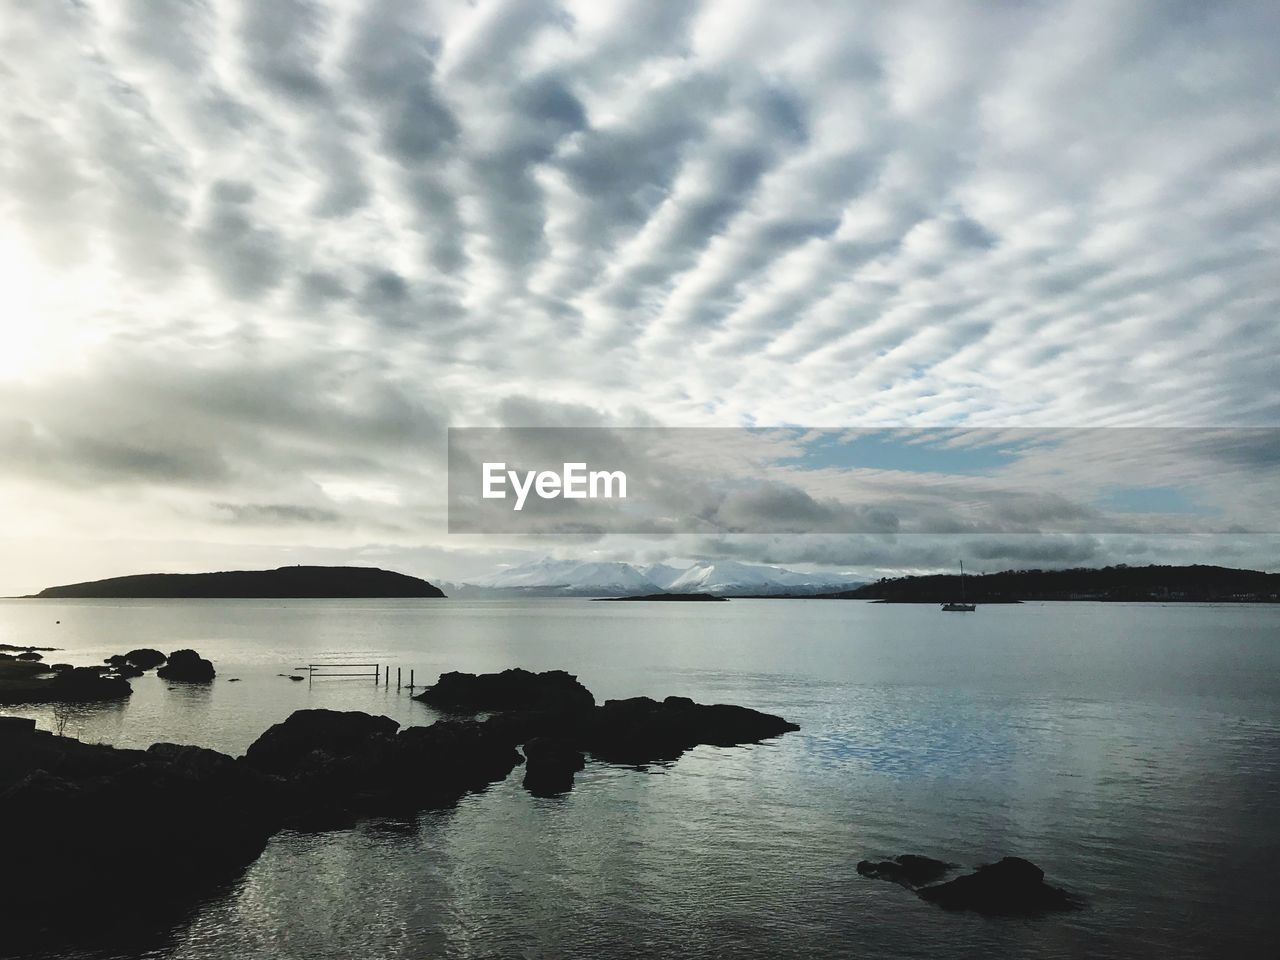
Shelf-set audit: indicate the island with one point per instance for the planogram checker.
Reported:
(1195, 583)
(282, 583)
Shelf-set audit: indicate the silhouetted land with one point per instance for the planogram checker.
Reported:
(668, 596)
(283, 583)
(1195, 583)
(114, 841)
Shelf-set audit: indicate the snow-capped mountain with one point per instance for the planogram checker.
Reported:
(575, 578)
(662, 574)
(730, 577)
(570, 577)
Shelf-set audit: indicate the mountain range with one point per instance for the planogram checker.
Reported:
(576, 578)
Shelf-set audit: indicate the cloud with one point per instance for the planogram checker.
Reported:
(706, 214)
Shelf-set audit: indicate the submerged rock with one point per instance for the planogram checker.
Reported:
(187, 666)
(909, 869)
(1011, 885)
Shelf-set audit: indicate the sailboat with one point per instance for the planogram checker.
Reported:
(961, 607)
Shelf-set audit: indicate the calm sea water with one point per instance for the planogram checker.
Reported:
(1133, 751)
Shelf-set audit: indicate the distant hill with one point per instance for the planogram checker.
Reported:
(1152, 583)
(283, 583)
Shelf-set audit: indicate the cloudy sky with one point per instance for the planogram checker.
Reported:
(256, 257)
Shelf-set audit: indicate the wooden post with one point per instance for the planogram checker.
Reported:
(411, 678)
(377, 674)
(397, 678)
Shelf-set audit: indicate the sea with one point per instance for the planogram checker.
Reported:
(1130, 750)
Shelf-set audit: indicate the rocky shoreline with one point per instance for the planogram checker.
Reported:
(104, 830)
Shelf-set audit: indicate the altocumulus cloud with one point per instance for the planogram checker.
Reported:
(256, 255)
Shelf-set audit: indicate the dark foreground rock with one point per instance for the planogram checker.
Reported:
(187, 666)
(128, 839)
(550, 764)
(104, 831)
(341, 766)
(1010, 886)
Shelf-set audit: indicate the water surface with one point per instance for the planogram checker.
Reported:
(1130, 750)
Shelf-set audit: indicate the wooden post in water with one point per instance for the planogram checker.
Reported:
(397, 678)
(376, 676)
(411, 678)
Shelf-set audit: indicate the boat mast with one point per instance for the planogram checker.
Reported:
(962, 581)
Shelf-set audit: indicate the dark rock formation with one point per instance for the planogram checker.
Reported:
(144, 658)
(555, 705)
(30, 655)
(61, 667)
(188, 667)
(642, 730)
(29, 682)
(909, 870)
(1011, 885)
(509, 690)
(86, 685)
(105, 831)
(550, 764)
(344, 765)
(128, 671)
(287, 745)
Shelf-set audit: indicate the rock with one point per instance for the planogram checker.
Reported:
(30, 655)
(111, 830)
(197, 761)
(233, 680)
(285, 746)
(13, 728)
(128, 671)
(1011, 885)
(909, 870)
(116, 660)
(187, 666)
(641, 730)
(550, 764)
(290, 676)
(61, 667)
(145, 658)
(86, 685)
(440, 763)
(515, 689)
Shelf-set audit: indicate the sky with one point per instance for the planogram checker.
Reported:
(255, 258)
